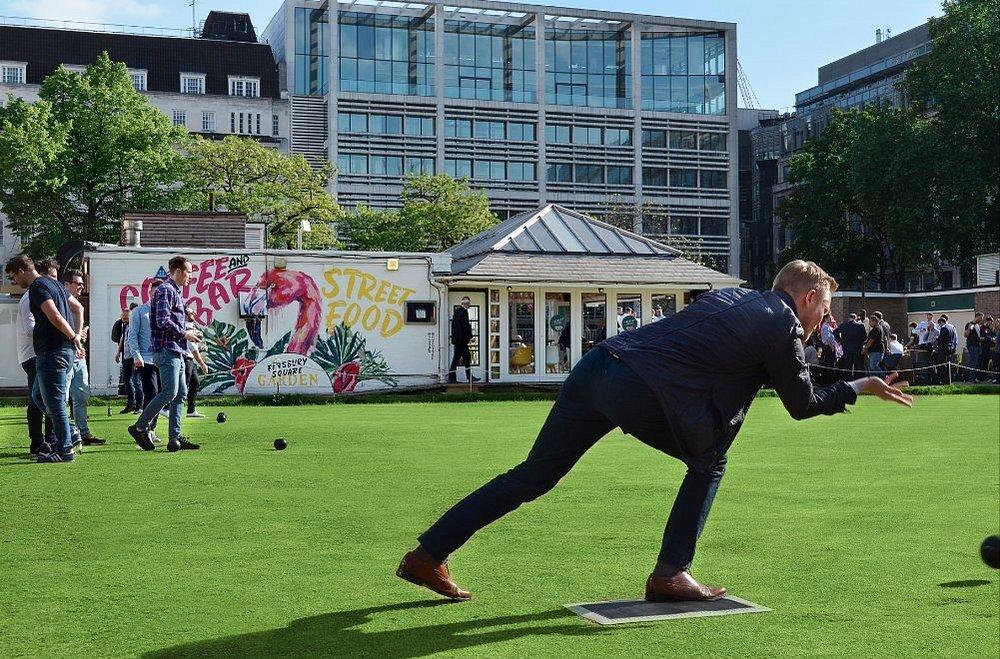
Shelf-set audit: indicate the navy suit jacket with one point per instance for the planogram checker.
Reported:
(707, 363)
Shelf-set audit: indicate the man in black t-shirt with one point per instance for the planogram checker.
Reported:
(56, 344)
(875, 346)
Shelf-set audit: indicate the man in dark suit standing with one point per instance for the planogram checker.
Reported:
(852, 336)
(680, 385)
(944, 348)
(461, 335)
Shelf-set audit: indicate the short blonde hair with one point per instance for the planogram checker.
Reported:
(800, 276)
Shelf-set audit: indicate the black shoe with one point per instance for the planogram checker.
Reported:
(128, 408)
(55, 457)
(181, 443)
(141, 438)
(90, 440)
(44, 447)
(452, 380)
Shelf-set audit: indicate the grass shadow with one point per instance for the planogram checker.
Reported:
(342, 634)
(966, 583)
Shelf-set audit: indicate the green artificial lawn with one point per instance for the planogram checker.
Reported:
(861, 531)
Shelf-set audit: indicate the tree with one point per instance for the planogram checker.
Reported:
(446, 211)
(381, 230)
(247, 177)
(958, 85)
(863, 201)
(89, 149)
(626, 215)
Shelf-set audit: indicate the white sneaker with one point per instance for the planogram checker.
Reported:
(164, 414)
(195, 415)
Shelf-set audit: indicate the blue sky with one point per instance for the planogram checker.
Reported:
(781, 42)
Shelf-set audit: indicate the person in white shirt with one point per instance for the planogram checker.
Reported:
(657, 314)
(26, 357)
(929, 334)
(922, 325)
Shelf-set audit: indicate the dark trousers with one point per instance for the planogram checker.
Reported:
(852, 361)
(150, 379)
(35, 414)
(51, 391)
(191, 373)
(601, 393)
(461, 355)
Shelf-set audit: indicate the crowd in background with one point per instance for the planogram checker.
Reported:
(865, 344)
(158, 348)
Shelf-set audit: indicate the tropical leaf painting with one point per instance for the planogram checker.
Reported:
(225, 344)
(279, 346)
(342, 345)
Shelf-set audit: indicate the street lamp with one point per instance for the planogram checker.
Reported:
(303, 226)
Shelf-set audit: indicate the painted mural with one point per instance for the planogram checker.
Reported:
(326, 350)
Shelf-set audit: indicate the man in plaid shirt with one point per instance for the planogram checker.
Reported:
(169, 344)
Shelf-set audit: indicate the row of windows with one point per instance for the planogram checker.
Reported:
(190, 83)
(240, 123)
(682, 177)
(356, 163)
(385, 124)
(565, 134)
(683, 139)
(486, 61)
(514, 131)
(687, 225)
(386, 54)
(490, 170)
(592, 174)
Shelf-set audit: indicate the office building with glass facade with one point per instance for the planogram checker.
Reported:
(602, 112)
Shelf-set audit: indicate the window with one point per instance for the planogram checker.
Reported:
(386, 124)
(241, 122)
(386, 165)
(521, 171)
(588, 67)
(654, 176)
(239, 86)
(656, 139)
(489, 62)
(713, 226)
(619, 175)
(386, 54)
(232, 122)
(712, 141)
(521, 331)
(586, 135)
(557, 134)
(460, 168)
(617, 136)
(714, 179)
(75, 68)
(560, 173)
(352, 122)
(208, 122)
(683, 178)
(520, 132)
(258, 123)
(138, 79)
(490, 130)
(592, 174)
(684, 73)
(352, 163)
(192, 83)
(312, 27)
(457, 128)
(683, 139)
(420, 165)
(180, 118)
(13, 73)
(274, 125)
(490, 170)
(419, 125)
(684, 225)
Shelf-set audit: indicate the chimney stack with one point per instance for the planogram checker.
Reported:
(878, 35)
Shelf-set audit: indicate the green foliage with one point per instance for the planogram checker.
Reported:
(626, 216)
(342, 345)
(959, 84)
(247, 177)
(380, 230)
(863, 201)
(225, 344)
(89, 149)
(446, 211)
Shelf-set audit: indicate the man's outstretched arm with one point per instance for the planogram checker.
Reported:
(789, 375)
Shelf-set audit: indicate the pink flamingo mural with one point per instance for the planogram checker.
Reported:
(279, 288)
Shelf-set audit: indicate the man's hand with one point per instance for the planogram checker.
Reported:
(78, 344)
(885, 390)
(118, 357)
(138, 362)
(84, 334)
(193, 336)
(204, 369)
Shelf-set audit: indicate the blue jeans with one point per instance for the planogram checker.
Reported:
(79, 392)
(173, 389)
(973, 363)
(875, 363)
(52, 370)
(601, 393)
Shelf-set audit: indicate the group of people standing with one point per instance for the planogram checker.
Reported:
(866, 344)
(157, 346)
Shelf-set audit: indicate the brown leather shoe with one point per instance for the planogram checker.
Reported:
(679, 587)
(430, 574)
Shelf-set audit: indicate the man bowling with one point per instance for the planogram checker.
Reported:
(682, 385)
